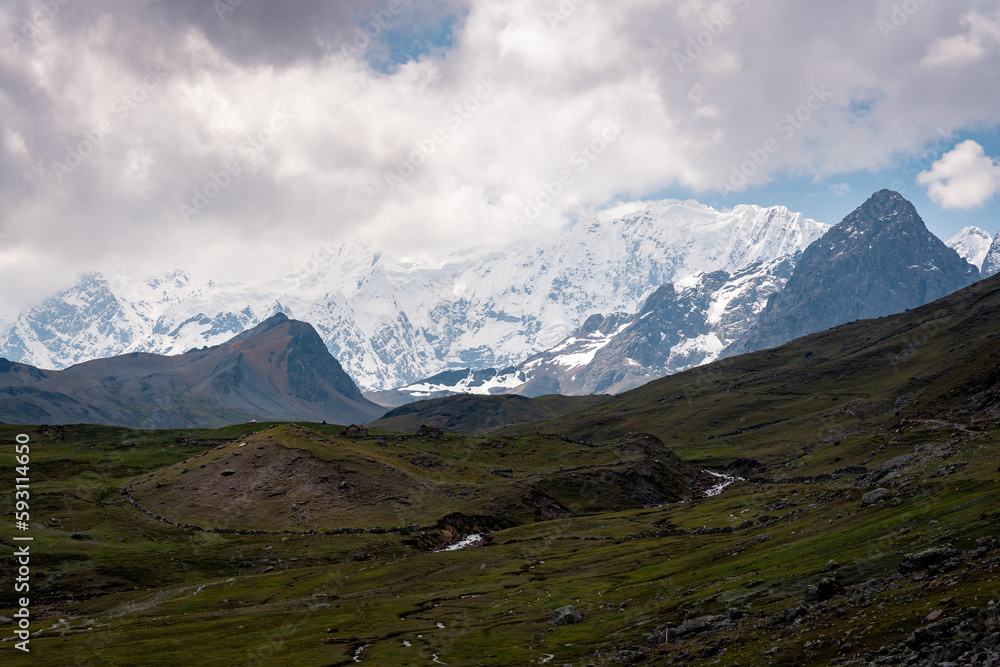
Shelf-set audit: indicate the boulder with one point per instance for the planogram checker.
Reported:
(568, 615)
(875, 497)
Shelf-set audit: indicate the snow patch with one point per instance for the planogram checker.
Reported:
(724, 481)
(464, 543)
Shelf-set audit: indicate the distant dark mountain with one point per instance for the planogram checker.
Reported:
(878, 261)
(279, 370)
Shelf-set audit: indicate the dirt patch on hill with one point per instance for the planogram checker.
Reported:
(262, 483)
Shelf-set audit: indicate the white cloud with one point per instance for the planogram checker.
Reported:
(963, 178)
(982, 36)
(841, 189)
(562, 70)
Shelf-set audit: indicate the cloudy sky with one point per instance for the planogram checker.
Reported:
(233, 136)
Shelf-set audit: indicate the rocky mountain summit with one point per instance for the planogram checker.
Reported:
(879, 260)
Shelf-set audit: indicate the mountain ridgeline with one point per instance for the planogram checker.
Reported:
(279, 370)
(879, 260)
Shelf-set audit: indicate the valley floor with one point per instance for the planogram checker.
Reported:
(802, 565)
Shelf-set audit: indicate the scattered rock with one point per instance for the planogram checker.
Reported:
(831, 566)
(927, 559)
(789, 616)
(659, 637)
(734, 614)
(568, 615)
(825, 590)
(630, 655)
(429, 431)
(701, 624)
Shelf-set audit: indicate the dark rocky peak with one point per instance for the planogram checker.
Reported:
(879, 260)
(886, 215)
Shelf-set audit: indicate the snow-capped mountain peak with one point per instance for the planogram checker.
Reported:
(971, 244)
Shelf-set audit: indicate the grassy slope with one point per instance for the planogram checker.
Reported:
(467, 413)
(144, 592)
(168, 596)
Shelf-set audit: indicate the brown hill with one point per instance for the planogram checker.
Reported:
(292, 478)
(279, 370)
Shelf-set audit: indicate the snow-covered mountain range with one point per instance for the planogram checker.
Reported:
(694, 320)
(391, 321)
